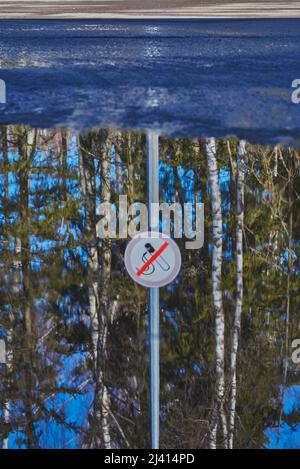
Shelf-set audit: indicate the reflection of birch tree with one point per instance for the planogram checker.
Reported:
(290, 260)
(9, 331)
(27, 148)
(240, 189)
(102, 400)
(217, 302)
(99, 277)
(88, 185)
(54, 269)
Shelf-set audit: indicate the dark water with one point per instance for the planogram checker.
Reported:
(185, 78)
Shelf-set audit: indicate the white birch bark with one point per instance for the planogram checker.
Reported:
(99, 268)
(104, 314)
(16, 280)
(217, 302)
(240, 190)
(9, 351)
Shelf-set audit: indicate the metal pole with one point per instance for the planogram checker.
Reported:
(153, 198)
(2, 351)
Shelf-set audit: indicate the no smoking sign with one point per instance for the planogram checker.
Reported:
(152, 259)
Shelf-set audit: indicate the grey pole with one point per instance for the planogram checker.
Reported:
(153, 223)
(2, 351)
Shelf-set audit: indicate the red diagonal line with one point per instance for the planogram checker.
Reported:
(152, 258)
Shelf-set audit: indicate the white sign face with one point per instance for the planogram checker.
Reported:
(152, 259)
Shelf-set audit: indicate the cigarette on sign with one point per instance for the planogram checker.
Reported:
(161, 261)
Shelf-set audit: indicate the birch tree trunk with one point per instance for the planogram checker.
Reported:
(27, 147)
(240, 191)
(288, 290)
(102, 398)
(217, 302)
(16, 284)
(98, 268)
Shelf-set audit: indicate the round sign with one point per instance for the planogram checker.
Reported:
(152, 259)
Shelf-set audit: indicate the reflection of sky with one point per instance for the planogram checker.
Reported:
(76, 407)
(289, 435)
